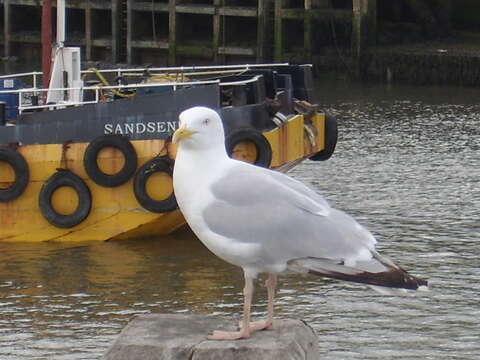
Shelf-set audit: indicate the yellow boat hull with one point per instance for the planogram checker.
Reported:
(115, 212)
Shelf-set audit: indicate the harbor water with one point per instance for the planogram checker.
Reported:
(407, 166)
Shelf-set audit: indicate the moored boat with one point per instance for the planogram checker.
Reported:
(90, 157)
(99, 167)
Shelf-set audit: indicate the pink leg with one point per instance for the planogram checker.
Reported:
(245, 328)
(271, 285)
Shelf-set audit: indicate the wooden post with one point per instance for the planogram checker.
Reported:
(261, 30)
(307, 30)
(218, 33)
(6, 28)
(364, 29)
(172, 32)
(115, 31)
(372, 23)
(88, 30)
(129, 31)
(278, 38)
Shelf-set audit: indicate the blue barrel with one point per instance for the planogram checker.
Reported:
(10, 100)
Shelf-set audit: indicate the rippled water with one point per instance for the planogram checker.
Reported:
(407, 166)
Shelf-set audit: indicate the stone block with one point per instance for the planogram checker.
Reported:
(184, 337)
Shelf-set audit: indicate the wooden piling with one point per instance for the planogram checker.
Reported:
(363, 29)
(129, 18)
(6, 28)
(261, 30)
(88, 30)
(278, 38)
(172, 32)
(116, 21)
(218, 31)
(308, 30)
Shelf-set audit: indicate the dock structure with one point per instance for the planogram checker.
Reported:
(298, 24)
(176, 32)
(417, 42)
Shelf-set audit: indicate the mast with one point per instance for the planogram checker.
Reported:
(60, 23)
(66, 71)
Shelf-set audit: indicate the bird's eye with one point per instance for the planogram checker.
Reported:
(206, 121)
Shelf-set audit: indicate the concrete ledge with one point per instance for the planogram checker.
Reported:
(183, 337)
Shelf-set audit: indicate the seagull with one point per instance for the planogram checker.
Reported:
(267, 222)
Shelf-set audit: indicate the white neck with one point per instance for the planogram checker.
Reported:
(204, 169)
(202, 156)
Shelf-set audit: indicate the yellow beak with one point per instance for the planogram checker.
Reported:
(182, 133)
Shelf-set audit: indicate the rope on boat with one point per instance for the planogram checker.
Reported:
(106, 83)
(307, 110)
(156, 78)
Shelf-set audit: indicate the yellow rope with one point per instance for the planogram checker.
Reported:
(167, 78)
(154, 78)
(105, 82)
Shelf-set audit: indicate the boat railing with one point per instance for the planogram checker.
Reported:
(185, 70)
(34, 74)
(25, 101)
(204, 70)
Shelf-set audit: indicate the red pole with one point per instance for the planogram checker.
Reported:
(46, 41)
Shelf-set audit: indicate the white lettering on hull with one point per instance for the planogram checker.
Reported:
(140, 128)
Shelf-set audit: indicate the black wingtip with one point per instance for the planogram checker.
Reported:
(393, 278)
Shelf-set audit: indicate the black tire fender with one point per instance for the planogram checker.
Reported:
(331, 136)
(22, 174)
(91, 166)
(264, 150)
(57, 180)
(158, 164)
